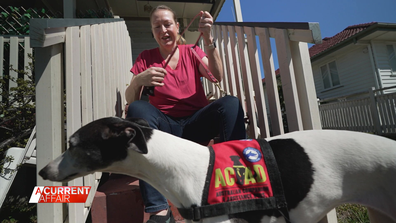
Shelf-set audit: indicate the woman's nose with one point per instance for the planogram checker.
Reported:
(163, 28)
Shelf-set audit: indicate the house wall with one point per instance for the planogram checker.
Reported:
(381, 59)
(141, 36)
(355, 71)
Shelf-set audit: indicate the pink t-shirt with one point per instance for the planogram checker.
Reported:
(182, 94)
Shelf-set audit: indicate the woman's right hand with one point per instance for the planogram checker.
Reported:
(153, 76)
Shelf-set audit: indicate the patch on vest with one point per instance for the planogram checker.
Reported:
(239, 173)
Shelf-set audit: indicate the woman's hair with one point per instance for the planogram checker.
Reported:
(180, 39)
(164, 7)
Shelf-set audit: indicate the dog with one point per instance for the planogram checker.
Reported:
(320, 169)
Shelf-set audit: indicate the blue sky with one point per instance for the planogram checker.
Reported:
(333, 16)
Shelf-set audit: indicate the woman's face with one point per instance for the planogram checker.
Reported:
(164, 28)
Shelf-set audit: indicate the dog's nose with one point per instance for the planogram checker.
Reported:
(43, 174)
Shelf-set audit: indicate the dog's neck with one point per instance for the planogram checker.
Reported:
(174, 166)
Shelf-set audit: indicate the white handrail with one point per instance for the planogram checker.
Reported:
(91, 58)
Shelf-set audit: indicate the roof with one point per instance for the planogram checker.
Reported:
(329, 42)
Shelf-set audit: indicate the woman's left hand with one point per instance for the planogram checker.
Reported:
(205, 26)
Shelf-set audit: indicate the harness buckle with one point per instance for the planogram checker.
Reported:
(196, 213)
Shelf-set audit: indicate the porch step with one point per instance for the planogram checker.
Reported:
(119, 200)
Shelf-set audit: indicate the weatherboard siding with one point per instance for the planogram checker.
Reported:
(354, 69)
(141, 36)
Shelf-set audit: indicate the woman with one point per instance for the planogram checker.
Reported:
(179, 105)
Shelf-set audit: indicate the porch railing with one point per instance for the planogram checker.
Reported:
(91, 59)
(14, 52)
(240, 51)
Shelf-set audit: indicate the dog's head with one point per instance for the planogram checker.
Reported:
(96, 146)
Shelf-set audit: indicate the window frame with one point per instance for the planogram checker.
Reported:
(330, 76)
(390, 57)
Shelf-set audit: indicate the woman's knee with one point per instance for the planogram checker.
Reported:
(230, 103)
(138, 109)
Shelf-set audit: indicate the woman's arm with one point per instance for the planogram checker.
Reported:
(213, 61)
(134, 91)
(153, 76)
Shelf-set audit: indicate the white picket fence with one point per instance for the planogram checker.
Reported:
(371, 111)
(91, 58)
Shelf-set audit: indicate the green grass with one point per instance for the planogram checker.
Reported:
(352, 213)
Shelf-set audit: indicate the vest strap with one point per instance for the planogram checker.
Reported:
(197, 213)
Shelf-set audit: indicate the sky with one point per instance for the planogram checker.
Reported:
(332, 16)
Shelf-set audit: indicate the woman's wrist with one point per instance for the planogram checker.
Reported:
(208, 42)
(136, 85)
(211, 46)
(136, 81)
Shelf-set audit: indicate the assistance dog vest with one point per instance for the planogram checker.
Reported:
(242, 176)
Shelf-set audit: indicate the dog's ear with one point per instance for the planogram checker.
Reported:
(136, 141)
(124, 133)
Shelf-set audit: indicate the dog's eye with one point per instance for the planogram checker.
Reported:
(71, 146)
(73, 141)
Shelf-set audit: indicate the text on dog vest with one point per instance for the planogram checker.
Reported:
(227, 177)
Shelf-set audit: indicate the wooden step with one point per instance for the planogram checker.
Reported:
(119, 200)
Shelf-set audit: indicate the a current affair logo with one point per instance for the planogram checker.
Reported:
(60, 194)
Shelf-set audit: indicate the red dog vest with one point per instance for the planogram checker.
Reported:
(239, 173)
(242, 176)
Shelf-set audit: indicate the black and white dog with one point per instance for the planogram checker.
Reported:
(320, 169)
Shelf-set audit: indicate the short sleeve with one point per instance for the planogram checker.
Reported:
(139, 65)
(200, 52)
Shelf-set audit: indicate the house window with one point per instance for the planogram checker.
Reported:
(391, 58)
(330, 75)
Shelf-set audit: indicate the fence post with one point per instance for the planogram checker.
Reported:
(49, 121)
(14, 48)
(289, 86)
(305, 85)
(374, 111)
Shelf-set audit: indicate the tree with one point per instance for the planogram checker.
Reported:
(17, 110)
